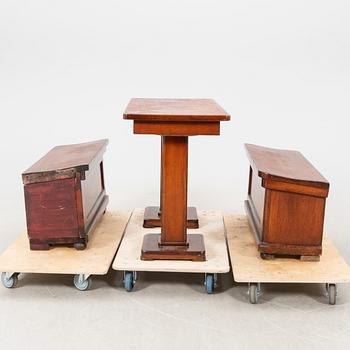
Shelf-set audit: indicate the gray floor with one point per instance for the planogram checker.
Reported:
(169, 311)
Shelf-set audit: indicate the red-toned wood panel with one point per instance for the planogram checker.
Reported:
(51, 209)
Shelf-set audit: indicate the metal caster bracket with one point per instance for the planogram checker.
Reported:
(82, 281)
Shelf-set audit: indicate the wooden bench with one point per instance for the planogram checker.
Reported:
(286, 203)
(65, 195)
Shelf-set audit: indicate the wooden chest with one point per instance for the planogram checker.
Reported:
(286, 203)
(65, 195)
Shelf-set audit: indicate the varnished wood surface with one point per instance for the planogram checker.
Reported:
(52, 210)
(285, 166)
(95, 259)
(176, 128)
(277, 242)
(152, 217)
(153, 250)
(247, 266)
(65, 159)
(212, 228)
(188, 110)
(174, 160)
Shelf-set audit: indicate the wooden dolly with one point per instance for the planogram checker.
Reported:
(249, 267)
(94, 260)
(211, 226)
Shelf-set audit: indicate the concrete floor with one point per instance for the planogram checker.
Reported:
(169, 311)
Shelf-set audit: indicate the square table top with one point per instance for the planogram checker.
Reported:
(181, 110)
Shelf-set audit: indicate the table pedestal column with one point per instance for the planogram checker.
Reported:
(152, 216)
(173, 242)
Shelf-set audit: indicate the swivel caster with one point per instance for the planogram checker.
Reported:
(9, 280)
(210, 282)
(82, 282)
(331, 293)
(129, 280)
(254, 292)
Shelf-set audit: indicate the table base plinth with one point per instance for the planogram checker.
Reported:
(152, 250)
(152, 218)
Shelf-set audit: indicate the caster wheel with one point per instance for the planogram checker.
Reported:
(209, 283)
(79, 246)
(9, 282)
(81, 283)
(253, 293)
(332, 293)
(129, 281)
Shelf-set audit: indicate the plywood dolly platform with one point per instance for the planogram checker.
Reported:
(94, 260)
(211, 226)
(249, 267)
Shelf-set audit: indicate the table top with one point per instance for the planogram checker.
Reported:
(284, 165)
(182, 110)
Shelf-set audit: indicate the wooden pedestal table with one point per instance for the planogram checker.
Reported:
(94, 260)
(249, 267)
(212, 227)
(174, 120)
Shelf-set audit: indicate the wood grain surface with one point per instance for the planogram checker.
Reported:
(284, 165)
(160, 109)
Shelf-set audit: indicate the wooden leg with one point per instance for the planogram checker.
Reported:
(174, 190)
(152, 216)
(173, 242)
(38, 245)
